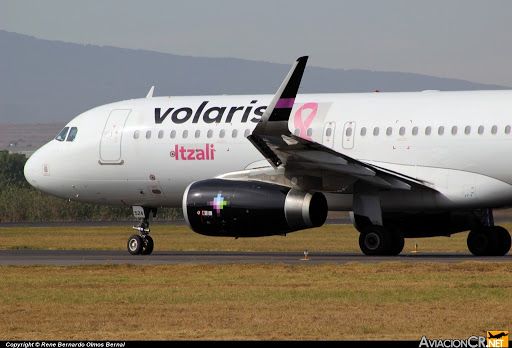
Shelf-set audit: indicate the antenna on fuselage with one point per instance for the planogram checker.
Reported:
(150, 93)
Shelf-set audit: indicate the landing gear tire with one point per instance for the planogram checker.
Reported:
(489, 241)
(378, 240)
(148, 245)
(397, 243)
(482, 242)
(504, 241)
(374, 240)
(135, 244)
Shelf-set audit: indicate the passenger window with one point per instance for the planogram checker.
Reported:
(428, 130)
(185, 134)
(222, 133)
(72, 134)
(389, 131)
(173, 134)
(415, 130)
(328, 132)
(401, 131)
(62, 135)
(136, 134)
(210, 133)
(467, 130)
(160, 134)
(440, 131)
(481, 130)
(309, 132)
(348, 132)
(234, 133)
(198, 133)
(454, 130)
(376, 131)
(363, 131)
(247, 133)
(148, 134)
(507, 130)
(494, 129)
(296, 132)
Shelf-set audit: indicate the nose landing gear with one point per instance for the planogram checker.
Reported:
(142, 243)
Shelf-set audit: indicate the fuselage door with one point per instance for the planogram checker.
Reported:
(328, 139)
(110, 144)
(348, 134)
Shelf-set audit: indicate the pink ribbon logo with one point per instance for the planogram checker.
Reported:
(303, 125)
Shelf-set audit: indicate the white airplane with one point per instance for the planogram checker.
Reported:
(404, 164)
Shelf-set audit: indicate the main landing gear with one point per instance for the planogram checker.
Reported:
(485, 239)
(378, 240)
(489, 241)
(482, 241)
(142, 243)
(375, 239)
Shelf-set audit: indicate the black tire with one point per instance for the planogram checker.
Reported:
(482, 242)
(504, 241)
(148, 246)
(374, 240)
(135, 244)
(397, 243)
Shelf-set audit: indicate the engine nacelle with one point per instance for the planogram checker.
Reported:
(218, 207)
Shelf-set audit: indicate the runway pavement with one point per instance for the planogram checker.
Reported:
(93, 257)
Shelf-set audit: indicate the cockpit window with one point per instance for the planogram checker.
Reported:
(72, 134)
(62, 134)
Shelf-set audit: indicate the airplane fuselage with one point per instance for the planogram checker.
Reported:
(146, 151)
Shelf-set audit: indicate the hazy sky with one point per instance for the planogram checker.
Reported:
(465, 39)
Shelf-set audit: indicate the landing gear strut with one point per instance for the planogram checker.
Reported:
(141, 243)
(375, 238)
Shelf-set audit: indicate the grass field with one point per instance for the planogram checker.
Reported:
(384, 301)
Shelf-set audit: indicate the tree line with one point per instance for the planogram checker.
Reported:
(20, 202)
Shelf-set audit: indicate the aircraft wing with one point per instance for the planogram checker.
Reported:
(299, 156)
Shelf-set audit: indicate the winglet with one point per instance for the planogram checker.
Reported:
(275, 118)
(274, 122)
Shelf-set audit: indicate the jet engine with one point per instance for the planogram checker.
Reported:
(219, 207)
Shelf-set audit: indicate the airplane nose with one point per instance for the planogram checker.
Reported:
(33, 170)
(40, 170)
